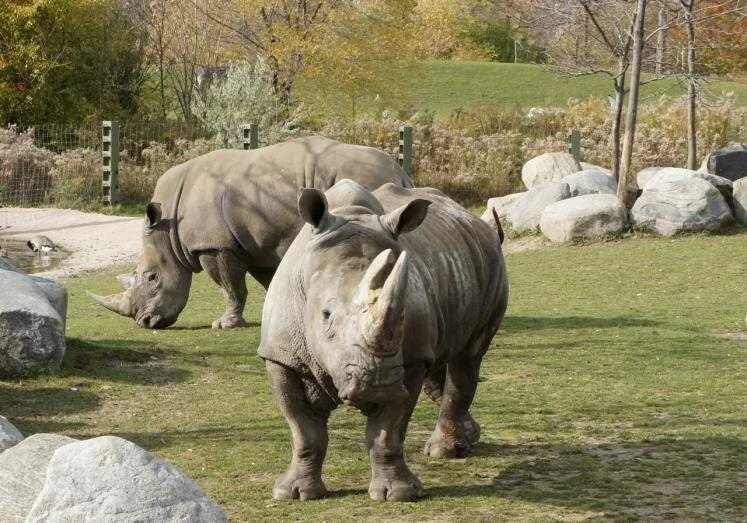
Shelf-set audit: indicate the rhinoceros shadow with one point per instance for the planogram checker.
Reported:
(524, 323)
(136, 362)
(668, 478)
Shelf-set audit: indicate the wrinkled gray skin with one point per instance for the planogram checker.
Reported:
(384, 294)
(230, 212)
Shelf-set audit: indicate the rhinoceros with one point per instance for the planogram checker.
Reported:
(230, 212)
(381, 294)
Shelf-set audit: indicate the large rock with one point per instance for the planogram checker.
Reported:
(653, 176)
(524, 214)
(584, 217)
(585, 166)
(591, 181)
(500, 205)
(23, 469)
(548, 167)
(9, 435)
(111, 479)
(740, 200)
(32, 331)
(688, 204)
(729, 162)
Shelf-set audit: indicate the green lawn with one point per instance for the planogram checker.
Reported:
(608, 393)
(444, 86)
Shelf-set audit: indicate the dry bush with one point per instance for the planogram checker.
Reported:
(75, 178)
(24, 168)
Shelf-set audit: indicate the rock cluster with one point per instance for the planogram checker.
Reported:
(568, 200)
(48, 477)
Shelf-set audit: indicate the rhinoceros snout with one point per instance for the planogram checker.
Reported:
(360, 389)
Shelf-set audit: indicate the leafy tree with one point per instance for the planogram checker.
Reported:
(67, 60)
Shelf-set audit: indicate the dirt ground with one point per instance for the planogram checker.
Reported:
(95, 241)
(92, 241)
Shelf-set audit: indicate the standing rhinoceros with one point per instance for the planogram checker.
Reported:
(402, 289)
(230, 212)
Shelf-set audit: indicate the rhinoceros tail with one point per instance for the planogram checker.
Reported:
(498, 225)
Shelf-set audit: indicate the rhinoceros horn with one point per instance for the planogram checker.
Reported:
(382, 295)
(118, 303)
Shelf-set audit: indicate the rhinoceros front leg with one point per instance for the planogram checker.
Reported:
(303, 479)
(228, 271)
(391, 478)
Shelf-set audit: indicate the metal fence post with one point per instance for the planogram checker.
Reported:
(250, 136)
(110, 161)
(574, 146)
(404, 155)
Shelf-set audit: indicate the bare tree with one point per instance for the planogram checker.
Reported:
(692, 88)
(624, 191)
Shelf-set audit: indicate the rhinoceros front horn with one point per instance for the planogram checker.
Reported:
(115, 302)
(382, 293)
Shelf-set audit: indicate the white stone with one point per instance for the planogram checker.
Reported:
(23, 469)
(111, 479)
(687, 204)
(585, 166)
(584, 217)
(740, 200)
(548, 167)
(591, 181)
(524, 215)
(501, 205)
(32, 332)
(652, 176)
(9, 435)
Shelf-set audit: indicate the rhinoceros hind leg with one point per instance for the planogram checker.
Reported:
(303, 479)
(228, 271)
(456, 431)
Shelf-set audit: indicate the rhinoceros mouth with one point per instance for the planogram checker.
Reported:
(378, 385)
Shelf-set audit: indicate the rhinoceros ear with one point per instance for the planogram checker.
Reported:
(406, 218)
(312, 206)
(153, 214)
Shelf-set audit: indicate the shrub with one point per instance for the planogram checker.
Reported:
(75, 178)
(24, 168)
(246, 96)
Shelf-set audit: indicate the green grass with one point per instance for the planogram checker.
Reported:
(445, 86)
(607, 393)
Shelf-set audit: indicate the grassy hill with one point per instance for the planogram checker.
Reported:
(444, 86)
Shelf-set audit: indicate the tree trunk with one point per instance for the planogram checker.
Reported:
(619, 84)
(625, 190)
(692, 91)
(661, 41)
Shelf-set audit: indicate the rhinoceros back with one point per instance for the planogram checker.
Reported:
(246, 200)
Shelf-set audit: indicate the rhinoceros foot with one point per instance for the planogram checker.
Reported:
(293, 485)
(400, 485)
(453, 443)
(229, 321)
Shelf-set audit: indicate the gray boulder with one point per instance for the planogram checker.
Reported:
(32, 331)
(585, 166)
(591, 181)
(548, 167)
(500, 205)
(652, 176)
(740, 200)
(584, 217)
(524, 214)
(111, 479)
(688, 204)
(9, 435)
(23, 469)
(729, 162)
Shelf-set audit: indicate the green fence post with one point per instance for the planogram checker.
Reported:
(250, 135)
(110, 161)
(574, 146)
(404, 155)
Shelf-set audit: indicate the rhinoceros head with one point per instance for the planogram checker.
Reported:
(157, 291)
(355, 285)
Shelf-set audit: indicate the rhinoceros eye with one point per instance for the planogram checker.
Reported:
(326, 313)
(152, 277)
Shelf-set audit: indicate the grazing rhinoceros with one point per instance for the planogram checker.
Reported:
(230, 212)
(387, 292)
